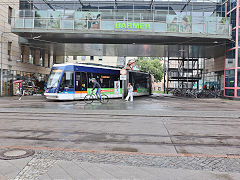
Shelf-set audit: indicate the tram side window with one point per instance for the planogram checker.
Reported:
(67, 80)
(112, 79)
(139, 80)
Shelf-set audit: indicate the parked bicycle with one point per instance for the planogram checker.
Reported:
(89, 98)
(194, 93)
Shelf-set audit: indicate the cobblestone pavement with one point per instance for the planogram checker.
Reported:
(66, 165)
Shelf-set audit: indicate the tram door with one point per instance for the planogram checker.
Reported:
(77, 81)
(84, 81)
(80, 81)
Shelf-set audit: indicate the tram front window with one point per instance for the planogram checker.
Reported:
(54, 78)
(67, 80)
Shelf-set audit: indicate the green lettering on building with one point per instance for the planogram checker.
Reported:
(135, 25)
(120, 25)
(123, 25)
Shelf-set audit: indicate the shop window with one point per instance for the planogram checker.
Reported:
(83, 58)
(238, 92)
(91, 58)
(229, 78)
(238, 78)
(67, 80)
(9, 14)
(229, 92)
(230, 59)
(238, 58)
(74, 58)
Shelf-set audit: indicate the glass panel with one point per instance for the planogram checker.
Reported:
(238, 78)
(67, 24)
(229, 78)
(229, 92)
(67, 80)
(238, 92)
(238, 58)
(230, 59)
(54, 78)
(28, 23)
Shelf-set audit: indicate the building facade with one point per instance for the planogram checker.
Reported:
(188, 30)
(103, 60)
(18, 60)
(232, 60)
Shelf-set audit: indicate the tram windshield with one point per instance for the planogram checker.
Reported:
(54, 78)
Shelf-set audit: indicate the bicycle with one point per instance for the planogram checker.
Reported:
(89, 98)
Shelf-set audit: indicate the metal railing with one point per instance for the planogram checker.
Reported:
(143, 22)
(118, 25)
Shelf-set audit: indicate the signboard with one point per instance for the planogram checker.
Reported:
(130, 25)
(123, 71)
(116, 87)
(123, 77)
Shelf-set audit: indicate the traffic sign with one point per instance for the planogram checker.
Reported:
(123, 71)
(123, 77)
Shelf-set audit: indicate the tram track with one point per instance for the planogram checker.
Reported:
(93, 114)
(119, 142)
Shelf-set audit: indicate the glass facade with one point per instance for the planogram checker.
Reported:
(229, 78)
(229, 92)
(232, 61)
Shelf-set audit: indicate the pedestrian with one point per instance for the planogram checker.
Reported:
(97, 85)
(20, 88)
(130, 92)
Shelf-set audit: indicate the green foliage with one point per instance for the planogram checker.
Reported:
(152, 66)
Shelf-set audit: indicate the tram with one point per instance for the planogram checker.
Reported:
(73, 81)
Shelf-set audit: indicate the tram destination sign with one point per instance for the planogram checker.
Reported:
(133, 26)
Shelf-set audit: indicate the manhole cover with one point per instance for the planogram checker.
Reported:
(16, 154)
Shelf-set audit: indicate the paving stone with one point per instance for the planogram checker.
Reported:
(74, 171)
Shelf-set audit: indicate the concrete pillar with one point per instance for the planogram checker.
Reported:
(37, 57)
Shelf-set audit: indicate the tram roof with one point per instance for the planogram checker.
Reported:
(89, 65)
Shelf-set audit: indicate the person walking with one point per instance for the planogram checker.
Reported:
(130, 92)
(20, 88)
(97, 85)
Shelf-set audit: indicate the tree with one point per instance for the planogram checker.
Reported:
(152, 66)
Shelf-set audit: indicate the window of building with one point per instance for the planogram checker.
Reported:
(74, 58)
(100, 58)
(229, 78)
(9, 14)
(91, 58)
(229, 92)
(238, 92)
(230, 59)
(9, 50)
(238, 78)
(83, 58)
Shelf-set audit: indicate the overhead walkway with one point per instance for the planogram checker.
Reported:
(119, 28)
